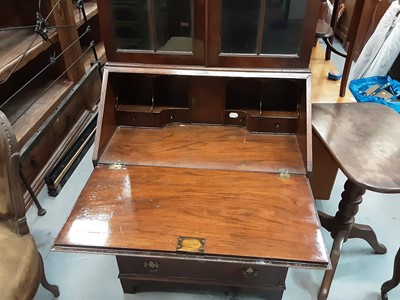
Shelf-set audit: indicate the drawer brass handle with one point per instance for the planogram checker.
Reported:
(250, 272)
(152, 266)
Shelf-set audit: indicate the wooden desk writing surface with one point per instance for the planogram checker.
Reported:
(141, 207)
(204, 147)
(148, 208)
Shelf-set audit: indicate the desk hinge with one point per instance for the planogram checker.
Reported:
(284, 173)
(116, 166)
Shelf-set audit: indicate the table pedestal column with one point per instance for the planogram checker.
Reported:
(342, 227)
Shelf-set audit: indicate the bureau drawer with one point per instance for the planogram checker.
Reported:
(245, 274)
(256, 122)
(278, 125)
(135, 118)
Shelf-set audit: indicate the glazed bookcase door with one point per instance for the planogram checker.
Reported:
(154, 31)
(261, 33)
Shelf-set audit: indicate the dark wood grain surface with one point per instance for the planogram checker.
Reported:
(205, 147)
(245, 214)
(363, 139)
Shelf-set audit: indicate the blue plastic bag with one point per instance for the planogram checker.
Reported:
(359, 89)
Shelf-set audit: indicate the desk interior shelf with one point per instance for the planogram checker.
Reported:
(14, 43)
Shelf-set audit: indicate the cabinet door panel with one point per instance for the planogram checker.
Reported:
(239, 26)
(154, 31)
(261, 33)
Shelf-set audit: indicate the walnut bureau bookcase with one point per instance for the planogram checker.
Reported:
(203, 145)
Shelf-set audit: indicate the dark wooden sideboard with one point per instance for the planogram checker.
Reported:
(203, 146)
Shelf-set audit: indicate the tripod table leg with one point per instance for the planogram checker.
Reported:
(392, 283)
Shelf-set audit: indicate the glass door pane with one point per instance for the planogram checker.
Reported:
(262, 26)
(239, 26)
(173, 25)
(131, 24)
(283, 26)
(157, 25)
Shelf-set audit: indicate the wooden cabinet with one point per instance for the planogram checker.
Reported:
(49, 88)
(201, 161)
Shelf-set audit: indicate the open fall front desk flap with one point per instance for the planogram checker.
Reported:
(235, 213)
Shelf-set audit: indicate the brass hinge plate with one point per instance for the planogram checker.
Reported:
(191, 244)
(116, 166)
(284, 173)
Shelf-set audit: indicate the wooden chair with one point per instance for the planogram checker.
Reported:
(358, 22)
(326, 26)
(21, 265)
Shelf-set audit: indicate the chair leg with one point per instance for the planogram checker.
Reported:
(346, 71)
(41, 210)
(328, 50)
(50, 287)
(331, 48)
(334, 20)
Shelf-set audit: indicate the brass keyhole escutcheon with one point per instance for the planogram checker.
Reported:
(152, 266)
(250, 272)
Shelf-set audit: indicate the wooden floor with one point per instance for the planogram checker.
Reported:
(324, 90)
